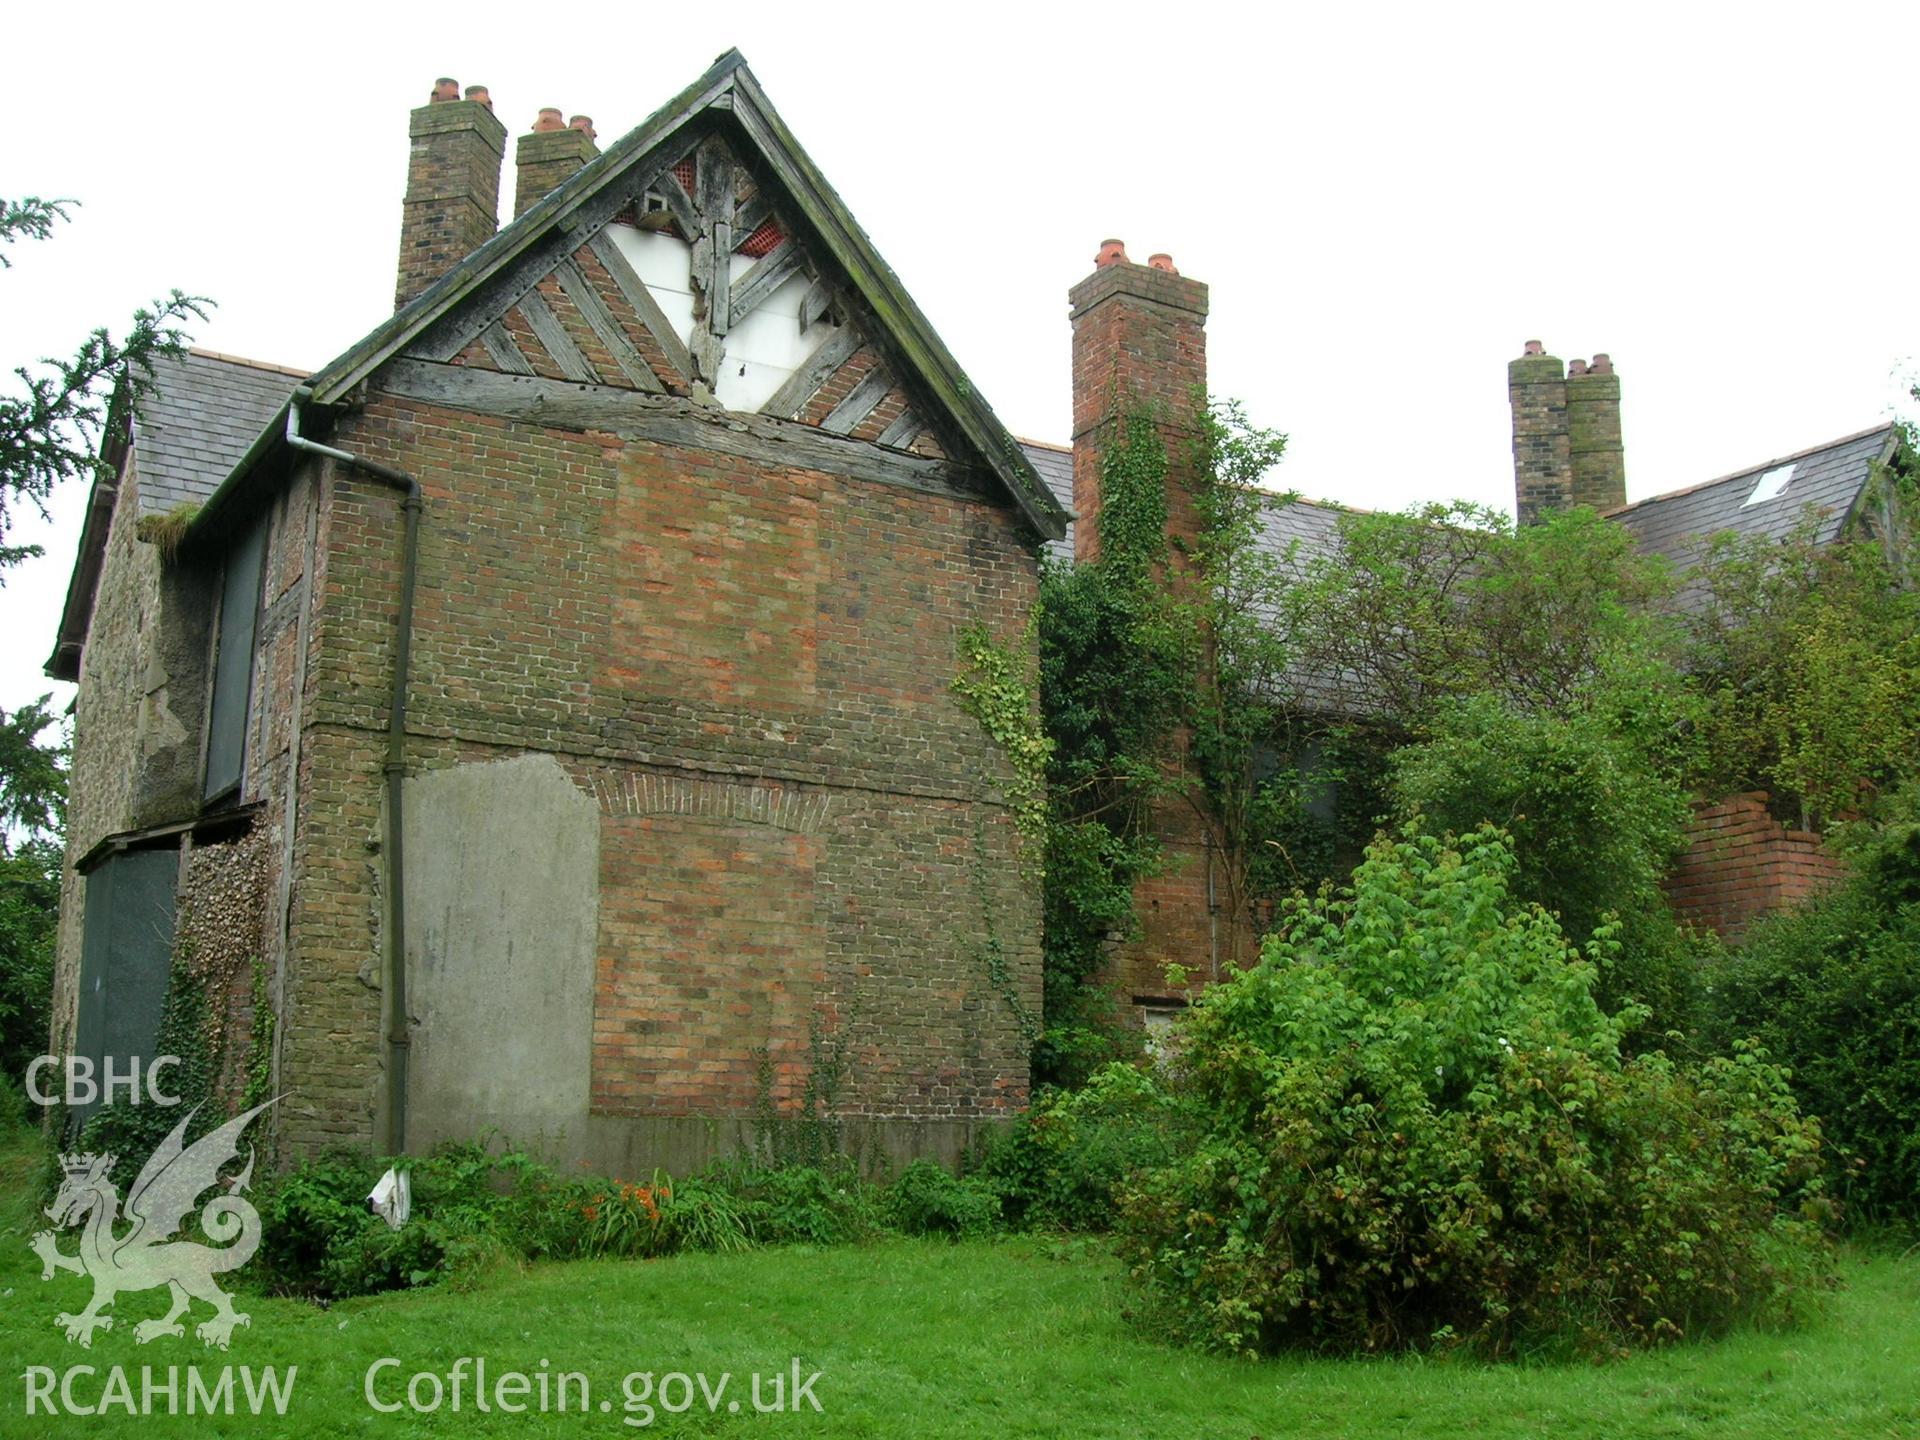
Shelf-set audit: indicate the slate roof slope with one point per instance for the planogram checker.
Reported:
(1828, 478)
(187, 433)
(202, 413)
(1054, 465)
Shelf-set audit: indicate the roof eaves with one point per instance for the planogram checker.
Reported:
(76, 611)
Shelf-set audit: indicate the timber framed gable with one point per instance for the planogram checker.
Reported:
(698, 281)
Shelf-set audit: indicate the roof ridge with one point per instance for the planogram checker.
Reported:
(1748, 470)
(222, 356)
(1281, 499)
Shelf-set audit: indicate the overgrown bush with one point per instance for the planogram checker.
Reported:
(1420, 1130)
(1833, 991)
(926, 1199)
(797, 1204)
(1060, 1166)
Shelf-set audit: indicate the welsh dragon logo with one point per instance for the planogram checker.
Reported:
(145, 1254)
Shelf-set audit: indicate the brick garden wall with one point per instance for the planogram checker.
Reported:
(1741, 864)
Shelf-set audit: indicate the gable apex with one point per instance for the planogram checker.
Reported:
(726, 108)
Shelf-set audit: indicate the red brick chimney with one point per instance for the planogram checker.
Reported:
(548, 156)
(1139, 344)
(453, 185)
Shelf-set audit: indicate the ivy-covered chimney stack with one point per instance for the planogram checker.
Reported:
(548, 156)
(453, 185)
(1139, 347)
(1598, 457)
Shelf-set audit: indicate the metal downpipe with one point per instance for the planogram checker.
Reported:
(399, 1027)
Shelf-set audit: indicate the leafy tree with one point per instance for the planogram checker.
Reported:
(1807, 657)
(1414, 610)
(50, 428)
(1241, 707)
(1524, 678)
(1159, 673)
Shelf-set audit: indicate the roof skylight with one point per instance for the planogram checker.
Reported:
(1770, 485)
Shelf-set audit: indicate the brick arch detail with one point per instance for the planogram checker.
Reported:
(753, 802)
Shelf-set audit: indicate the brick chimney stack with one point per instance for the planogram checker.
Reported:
(1566, 434)
(1139, 344)
(453, 185)
(1542, 458)
(549, 155)
(1598, 456)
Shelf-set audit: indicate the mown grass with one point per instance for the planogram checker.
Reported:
(1015, 1338)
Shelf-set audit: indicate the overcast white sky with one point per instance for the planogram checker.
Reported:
(1386, 200)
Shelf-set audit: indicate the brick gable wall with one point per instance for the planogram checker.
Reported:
(748, 669)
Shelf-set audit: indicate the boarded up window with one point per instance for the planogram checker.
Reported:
(233, 664)
(126, 951)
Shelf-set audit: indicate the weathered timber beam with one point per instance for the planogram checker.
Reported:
(805, 382)
(627, 280)
(506, 354)
(553, 335)
(845, 417)
(904, 430)
(768, 274)
(669, 420)
(608, 329)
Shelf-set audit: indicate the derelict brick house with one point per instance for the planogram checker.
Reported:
(542, 713)
(545, 708)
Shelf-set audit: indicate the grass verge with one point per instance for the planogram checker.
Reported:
(918, 1338)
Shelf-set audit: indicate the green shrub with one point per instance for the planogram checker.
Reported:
(701, 1215)
(1419, 1129)
(798, 1204)
(307, 1213)
(1060, 1165)
(1833, 992)
(928, 1200)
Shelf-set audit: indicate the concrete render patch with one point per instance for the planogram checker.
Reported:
(503, 867)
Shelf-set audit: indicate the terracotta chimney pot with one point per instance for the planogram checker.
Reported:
(1112, 252)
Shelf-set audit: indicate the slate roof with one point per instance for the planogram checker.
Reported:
(203, 412)
(1828, 478)
(1054, 465)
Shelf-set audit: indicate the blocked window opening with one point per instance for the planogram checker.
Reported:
(233, 663)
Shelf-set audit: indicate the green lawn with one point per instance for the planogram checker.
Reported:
(1019, 1338)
